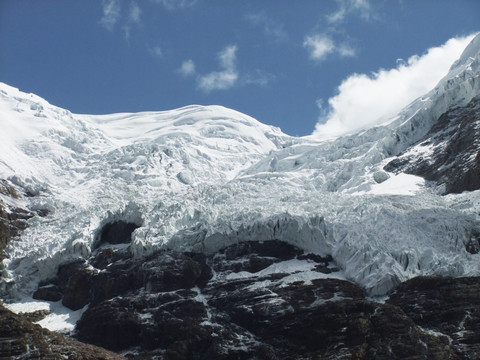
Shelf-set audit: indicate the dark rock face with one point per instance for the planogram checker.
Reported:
(72, 285)
(454, 159)
(473, 245)
(77, 291)
(253, 256)
(12, 221)
(6, 188)
(255, 300)
(119, 328)
(49, 293)
(20, 339)
(446, 306)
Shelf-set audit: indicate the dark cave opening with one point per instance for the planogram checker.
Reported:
(118, 232)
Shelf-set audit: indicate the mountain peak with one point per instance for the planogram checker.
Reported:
(471, 52)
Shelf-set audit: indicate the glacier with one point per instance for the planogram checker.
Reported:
(201, 178)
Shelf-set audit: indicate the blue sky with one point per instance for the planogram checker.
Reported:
(292, 64)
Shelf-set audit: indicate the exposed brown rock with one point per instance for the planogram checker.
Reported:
(8, 189)
(12, 221)
(455, 160)
(21, 339)
(48, 293)
(170, 306)
(77, 291)
(448, 306)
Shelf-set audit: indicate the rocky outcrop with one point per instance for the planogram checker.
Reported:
(252, 300)
(446, 307)
(13, 214)
(20, 339)
(13, 219)
(449, 155)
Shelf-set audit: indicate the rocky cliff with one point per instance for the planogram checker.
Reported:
(448, 155)
(260, 300)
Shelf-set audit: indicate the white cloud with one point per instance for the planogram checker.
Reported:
(347, 7)
(345, 50)
(157, 51)
(218, 80)
(366, 100)
(228, 56)
(271, 27)
(322, 45)
(134, 17)
(224, 79)
(319, 46)
(258, 77)
(187, 68)
(228, 76)
(111, 14)
(176, 4)
(135, 13)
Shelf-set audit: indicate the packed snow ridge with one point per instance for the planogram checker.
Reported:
(204, 177)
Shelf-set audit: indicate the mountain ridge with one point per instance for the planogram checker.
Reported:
(191, 183)
(196, 171)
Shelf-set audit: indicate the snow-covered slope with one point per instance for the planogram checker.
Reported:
(202, 178)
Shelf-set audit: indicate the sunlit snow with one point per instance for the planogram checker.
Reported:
(203, 177)
(401, 184)
(58, 318)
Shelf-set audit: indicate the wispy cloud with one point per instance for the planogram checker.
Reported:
(362, 8)
(228, 57)
(258, 77)
(345, 50)
(156, 51)
(187, 68)
(135, 13)
(111, 14)
(176, 4)
(271, 27)
(134, 18)
(367, 100)
(220, 80)
(320, 46)
(126, 32)
(226, 77)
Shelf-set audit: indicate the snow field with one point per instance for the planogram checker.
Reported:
(204, 177)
